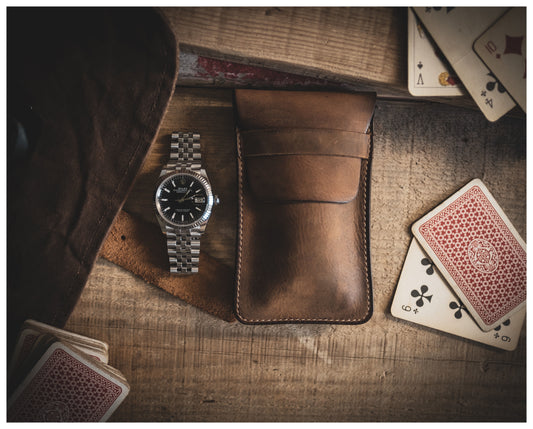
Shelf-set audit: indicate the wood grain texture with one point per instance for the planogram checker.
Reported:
(185, 365)
(366, 45)
(346, 48)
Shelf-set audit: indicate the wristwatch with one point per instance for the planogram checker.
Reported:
(183, 202)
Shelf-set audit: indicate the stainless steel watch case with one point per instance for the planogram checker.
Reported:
(198, 224)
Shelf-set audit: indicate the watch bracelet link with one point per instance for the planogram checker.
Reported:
(184, 152)
(183, 248)
(183, 245)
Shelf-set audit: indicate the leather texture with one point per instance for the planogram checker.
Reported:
(303, 167)
(139, 247)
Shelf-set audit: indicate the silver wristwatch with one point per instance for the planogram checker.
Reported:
(183, 202)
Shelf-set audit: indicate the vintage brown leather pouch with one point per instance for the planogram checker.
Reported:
(303, 166)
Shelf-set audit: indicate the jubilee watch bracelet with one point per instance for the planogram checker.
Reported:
(183, 202)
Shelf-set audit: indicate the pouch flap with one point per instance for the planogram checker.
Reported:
(319, 165)
(304, 109)
(301, 141)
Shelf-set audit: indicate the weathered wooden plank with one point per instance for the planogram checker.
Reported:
(355, 45)
(185, 365)
(355, 48)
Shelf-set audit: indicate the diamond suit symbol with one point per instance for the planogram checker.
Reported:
(513, 45)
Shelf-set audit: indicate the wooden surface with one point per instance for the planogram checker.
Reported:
(185, 365)
(365, 46)
(359, 48)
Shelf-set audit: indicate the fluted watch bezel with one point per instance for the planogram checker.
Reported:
(203, 219)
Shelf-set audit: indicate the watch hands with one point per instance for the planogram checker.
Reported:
(184, 197)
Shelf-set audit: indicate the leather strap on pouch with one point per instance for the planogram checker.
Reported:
(303, 164)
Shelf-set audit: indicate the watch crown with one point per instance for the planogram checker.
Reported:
(216, 200)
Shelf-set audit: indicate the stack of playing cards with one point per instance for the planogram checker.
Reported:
(480, 49)
(465, 271)
(55, 375)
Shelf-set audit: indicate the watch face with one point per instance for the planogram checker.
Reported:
(183, 199)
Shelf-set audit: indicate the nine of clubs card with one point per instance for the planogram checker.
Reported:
(423, 297)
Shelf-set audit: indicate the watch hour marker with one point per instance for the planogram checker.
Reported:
(191, 215)
(173, 216)
(198, 208)
(182, 218)
(166, 208)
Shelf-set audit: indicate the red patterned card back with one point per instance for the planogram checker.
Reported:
(63, 388)
(478, 251)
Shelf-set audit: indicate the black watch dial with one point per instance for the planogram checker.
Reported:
(182, 199)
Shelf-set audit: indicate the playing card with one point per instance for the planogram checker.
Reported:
(25, 341)
(454, 29)
(503, 49)
(95, 348)
(34, 349)
(32, 329)
(423, 297)
(65, 385)
(429, 74)
(478, 252)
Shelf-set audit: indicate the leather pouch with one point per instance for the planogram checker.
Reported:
(303, 166)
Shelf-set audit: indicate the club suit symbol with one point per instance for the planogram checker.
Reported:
(494, 83)
(505, 323)
(430, 265)
(438, 9)
(421, 295)
(459, 307)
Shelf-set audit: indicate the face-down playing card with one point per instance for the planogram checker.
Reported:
(478, 252)
(65, 385)
(32, 329)
(455, 29)
(423, 297)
